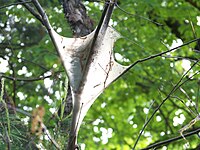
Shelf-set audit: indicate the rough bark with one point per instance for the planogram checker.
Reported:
(75, 13)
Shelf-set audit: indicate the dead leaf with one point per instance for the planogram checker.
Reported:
(37, 120)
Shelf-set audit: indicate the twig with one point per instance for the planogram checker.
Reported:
(190, 110)
(154, 56)
(46, 131)
(179, 84)
(191, 123)
(28, 79)
(32, 11)
(171, 140)
(18, 3)
(159, 24)
(42, 17)
(188, 97)
(42, 13)
(150, 106)
(181, 58)
(197, 97)
(110, 64)
(160, 54)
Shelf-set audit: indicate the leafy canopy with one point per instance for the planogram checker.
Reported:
(116, 118)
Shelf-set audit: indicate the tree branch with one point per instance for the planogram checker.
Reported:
(156, 145)
(28, 79)
(43, 15)
(32, 11)
(17, 3)
(178, 58)
(178, 84)
(154, 56)
(134, 15)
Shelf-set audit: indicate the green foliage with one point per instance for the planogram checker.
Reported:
(116, 118)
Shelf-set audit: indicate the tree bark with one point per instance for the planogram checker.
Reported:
(75, 13)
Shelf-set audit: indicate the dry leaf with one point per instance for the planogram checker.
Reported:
(37, 120)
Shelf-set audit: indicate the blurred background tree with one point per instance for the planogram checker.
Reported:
(32, 75)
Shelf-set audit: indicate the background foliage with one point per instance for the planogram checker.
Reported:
(34, 76)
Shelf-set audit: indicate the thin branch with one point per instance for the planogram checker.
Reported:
(177, 58)
(15, 46)
(17, 3)
(190, 110)
(102, 25)
(32, 11)
(172, 139)
(24, 79)
(46, 131)
(42, 17)
(160, 54)
(45, 21)
(154, 56)
(197, 97)
(159, 24)
(25, 60)
(106, 7)
(34, 63)
(179, 107)
(28, 79)
(188, 97)
(179, 84)
(42, 13)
